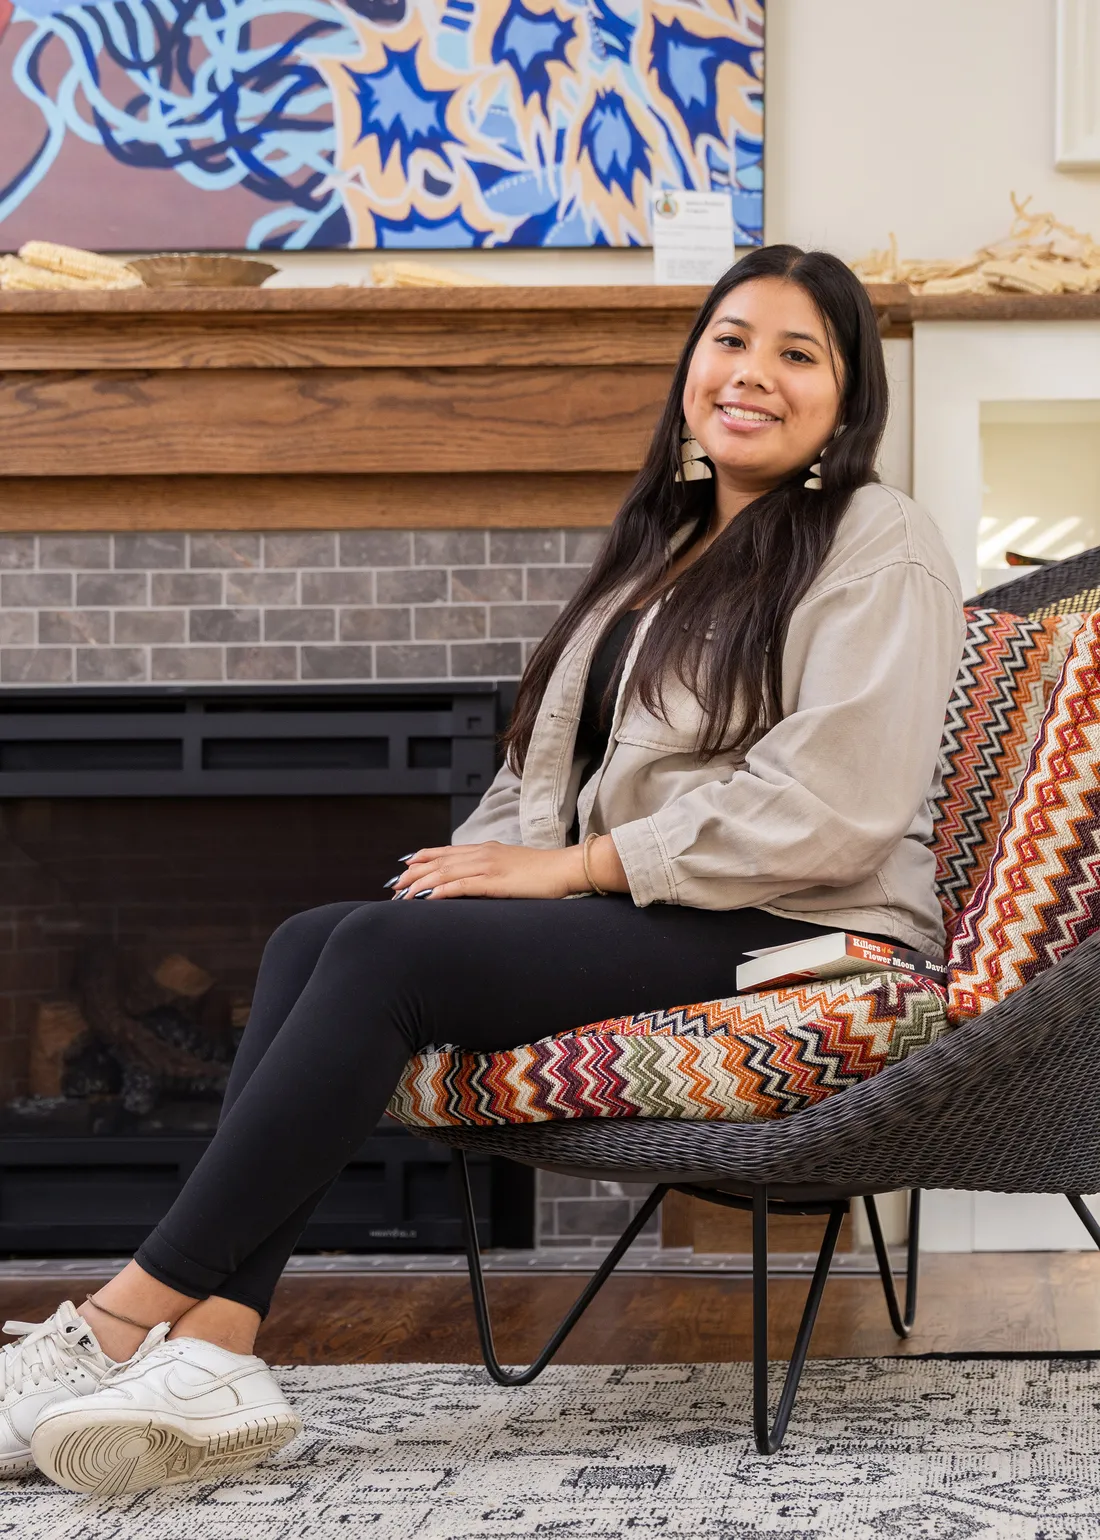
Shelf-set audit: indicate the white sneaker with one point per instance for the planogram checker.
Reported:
(183, 1410)
(53, 1360)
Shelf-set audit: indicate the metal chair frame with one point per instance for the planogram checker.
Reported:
(768, 1434)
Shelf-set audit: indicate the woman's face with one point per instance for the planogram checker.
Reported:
(761, 395)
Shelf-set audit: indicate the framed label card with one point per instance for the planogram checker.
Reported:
(693, 240)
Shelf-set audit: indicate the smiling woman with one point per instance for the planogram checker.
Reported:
(762, 397)
(705, 745)
(784, 353)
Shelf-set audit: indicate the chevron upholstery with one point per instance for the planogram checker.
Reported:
(1009, 667)
(1041, 893)
(738, 1060)
(768, 1055)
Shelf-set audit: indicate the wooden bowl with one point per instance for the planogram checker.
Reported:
(195, 270)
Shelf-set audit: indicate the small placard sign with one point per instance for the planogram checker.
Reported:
(692, 236)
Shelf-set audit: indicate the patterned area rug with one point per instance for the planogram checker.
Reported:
(916, 1449)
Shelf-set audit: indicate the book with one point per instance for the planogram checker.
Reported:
(832, 956)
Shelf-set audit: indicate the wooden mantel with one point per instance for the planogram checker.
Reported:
(353, 407)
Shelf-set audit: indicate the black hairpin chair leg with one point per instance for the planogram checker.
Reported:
(901, 1323)
(767, 1434)
(1085, 1215)
(588, 1293)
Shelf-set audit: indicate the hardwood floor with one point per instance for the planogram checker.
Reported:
(987, 1302)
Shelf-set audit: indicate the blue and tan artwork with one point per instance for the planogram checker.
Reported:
(138, 125)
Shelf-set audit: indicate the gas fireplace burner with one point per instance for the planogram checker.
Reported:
(150, 842)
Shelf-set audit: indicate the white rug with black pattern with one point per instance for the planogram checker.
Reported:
(918, 1449)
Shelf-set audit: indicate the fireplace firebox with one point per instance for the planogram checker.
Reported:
(150, 841)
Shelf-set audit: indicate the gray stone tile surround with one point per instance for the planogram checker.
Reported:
(302, 607)
(277, 608)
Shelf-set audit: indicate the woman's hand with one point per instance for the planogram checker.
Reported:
(493, 870)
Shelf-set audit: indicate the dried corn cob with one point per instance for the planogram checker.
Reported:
(89, 266)
(22, 275)
(416, 275)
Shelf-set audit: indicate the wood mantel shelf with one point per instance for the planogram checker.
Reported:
(354, 407)
(904, 308)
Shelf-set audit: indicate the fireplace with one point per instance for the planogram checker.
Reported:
(150, 841)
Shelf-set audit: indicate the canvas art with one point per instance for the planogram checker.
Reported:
(159, 125)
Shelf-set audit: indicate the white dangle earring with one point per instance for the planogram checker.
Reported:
(694, 465)
(813, 481)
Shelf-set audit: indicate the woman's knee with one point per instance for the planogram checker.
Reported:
(375, 930)
(380, 950)
(305, 933)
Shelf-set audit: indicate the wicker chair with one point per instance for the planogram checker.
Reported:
(1008, 1103)
(1070, 584)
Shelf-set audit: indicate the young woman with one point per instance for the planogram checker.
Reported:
(727, 741)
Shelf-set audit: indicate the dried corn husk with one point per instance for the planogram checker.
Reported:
(1023, 276)
(937, 272)
(1040, 255)
(963, 283)
(71, 262)
(1074, 276)
(421, 275)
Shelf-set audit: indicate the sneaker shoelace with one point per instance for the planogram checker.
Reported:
(44, 1351)
(136, 1364)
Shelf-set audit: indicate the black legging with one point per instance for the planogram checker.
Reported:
(348, 992)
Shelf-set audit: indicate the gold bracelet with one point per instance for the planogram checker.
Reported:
(592, 883)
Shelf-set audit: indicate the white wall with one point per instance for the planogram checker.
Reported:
(880, 115)
(919, 118)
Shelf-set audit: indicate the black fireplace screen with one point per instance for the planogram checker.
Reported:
(149, 845)
(132, 931)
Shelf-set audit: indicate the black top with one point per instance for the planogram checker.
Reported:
(594, 727)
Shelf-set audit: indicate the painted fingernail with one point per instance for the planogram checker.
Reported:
(392, 881)
(425, 893)
(408, 857)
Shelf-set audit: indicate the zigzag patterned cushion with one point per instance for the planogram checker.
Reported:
(1041, 894)
(740, 1060)
(755, 1057)
(1009, 667)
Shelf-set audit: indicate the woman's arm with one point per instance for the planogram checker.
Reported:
(828, 793)
(493, 870)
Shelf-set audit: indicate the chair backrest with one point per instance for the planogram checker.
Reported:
(1009, 667)
(1063, 587)
(1040, 896)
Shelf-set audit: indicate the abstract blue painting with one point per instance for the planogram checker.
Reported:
(137, 125)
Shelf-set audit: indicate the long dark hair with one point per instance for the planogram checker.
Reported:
(731, 606)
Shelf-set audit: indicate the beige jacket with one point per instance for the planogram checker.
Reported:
(827, 816)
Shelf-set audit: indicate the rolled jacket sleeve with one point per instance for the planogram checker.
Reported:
(831, 789)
